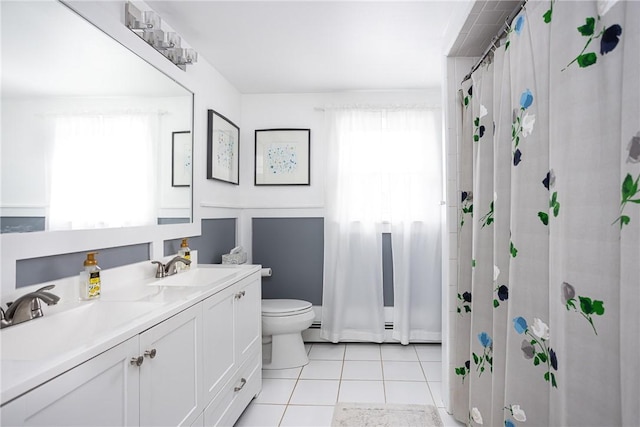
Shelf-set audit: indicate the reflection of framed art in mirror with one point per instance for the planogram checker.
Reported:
(181, 159)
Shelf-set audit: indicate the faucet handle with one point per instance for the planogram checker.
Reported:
(159, 269)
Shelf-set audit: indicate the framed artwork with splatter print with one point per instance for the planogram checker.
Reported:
(283, 157)
(223, 149)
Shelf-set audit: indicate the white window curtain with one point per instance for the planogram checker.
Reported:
(384, 174)
(103, 171)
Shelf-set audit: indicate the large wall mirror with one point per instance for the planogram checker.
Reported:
(88, 136)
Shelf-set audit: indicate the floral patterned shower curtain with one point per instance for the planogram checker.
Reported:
(548, 323)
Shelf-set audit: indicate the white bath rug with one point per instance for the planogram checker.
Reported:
(385, 415)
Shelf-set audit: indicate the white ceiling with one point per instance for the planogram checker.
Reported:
(320, 46)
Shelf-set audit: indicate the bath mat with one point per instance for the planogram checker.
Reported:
(385, 415)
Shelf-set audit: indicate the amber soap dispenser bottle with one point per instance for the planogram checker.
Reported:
(90, 278)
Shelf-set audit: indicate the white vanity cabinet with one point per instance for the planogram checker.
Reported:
(232, 351)
(101, 391)
(170, 375)
(201, 367)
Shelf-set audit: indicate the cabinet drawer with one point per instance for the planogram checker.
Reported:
(236, 394)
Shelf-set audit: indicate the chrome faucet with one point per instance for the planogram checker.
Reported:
(170, 268)
(27, 307)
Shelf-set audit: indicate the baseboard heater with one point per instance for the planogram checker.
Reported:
(317, 325)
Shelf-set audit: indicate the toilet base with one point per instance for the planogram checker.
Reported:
(287, 351)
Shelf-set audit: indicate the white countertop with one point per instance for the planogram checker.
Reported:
(74, 331)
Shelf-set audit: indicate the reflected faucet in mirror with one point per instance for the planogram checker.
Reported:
(27, 307)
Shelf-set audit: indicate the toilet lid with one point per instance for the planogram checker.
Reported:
(284, 306)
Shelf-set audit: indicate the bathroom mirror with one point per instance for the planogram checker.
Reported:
(87, 128)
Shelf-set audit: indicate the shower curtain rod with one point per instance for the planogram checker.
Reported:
(492, 45)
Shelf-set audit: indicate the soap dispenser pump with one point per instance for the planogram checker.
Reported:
(90, 283)
(185, 253)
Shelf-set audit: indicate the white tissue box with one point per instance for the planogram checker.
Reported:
(239, 258)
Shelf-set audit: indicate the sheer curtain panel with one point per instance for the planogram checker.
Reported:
(384, 174)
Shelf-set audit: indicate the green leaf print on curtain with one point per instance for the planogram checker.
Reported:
(629, 191)
(609, 38)
(588, 307)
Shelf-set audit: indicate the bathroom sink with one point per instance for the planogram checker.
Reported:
(199, 277)
(56, 334)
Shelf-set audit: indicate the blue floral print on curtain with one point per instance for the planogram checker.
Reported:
(466, 206)
(479, 129)
(468, 96)
(522, 126)
(609, 38)
(588, 307)
(486, 358)
(517, 413)
(463, 370)
(501, 292)
(536, 347)
(517, 27)
(464, 302)
(554, 204)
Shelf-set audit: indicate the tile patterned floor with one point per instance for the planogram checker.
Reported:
(358, 372)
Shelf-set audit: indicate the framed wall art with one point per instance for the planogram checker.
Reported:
(223, 149)
(181, 159)
(283, 157)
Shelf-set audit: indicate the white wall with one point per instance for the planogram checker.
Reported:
(211, 91)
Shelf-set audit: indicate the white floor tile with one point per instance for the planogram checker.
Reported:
(362, 351)
(402, 371)
(448, 420)
(315, 392)
(316, 416)
(307, 347)
(362, 370)
(408, 392)
(327, 351)
(433, 370)
(361, 391)
(322, 370)
(292, 373)
(399, 352)
(429, 352)
(261, 415)
(276, 391)
(436, 393)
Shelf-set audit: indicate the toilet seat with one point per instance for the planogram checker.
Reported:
(284, 307)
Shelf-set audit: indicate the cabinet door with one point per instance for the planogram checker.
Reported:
(100, 392)
(218, 344)
(170, 387)
(248, 318)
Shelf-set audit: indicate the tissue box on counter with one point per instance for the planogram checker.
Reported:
(235, 256)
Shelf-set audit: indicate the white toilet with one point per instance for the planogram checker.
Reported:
(283, 321)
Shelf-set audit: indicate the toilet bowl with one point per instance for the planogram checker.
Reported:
(283, 321)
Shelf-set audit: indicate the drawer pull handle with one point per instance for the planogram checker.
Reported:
(150, 353)
(240, 294)
(137, 360)
(242, 384)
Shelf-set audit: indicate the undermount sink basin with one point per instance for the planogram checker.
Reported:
(198, 277)
(53, 335)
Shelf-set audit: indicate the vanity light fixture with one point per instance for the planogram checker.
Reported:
(148, 26)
